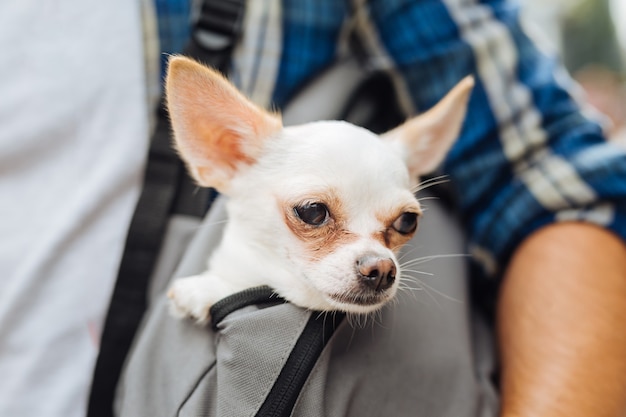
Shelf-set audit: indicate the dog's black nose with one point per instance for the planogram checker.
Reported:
(376, 272)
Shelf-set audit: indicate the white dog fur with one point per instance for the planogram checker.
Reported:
(315, 211)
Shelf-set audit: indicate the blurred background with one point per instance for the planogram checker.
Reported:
(590, 36)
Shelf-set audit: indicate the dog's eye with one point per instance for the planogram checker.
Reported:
(406, 223)
(315, 214)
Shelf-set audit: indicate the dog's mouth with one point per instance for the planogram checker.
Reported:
(359, 299)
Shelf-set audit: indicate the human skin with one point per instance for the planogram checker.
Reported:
(561, 317)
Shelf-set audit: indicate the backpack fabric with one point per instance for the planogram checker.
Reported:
(427, 354)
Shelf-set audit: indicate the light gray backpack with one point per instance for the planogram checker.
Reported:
(426, 354)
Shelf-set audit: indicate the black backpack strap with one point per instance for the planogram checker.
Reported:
(128, 301)
(167, 190)
(320, 327)
(281, 399)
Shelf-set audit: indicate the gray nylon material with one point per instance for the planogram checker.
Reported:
(250, 355)
(180, 231)
(421, 356)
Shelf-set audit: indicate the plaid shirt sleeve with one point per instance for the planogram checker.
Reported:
(174, 28)
(527, 155)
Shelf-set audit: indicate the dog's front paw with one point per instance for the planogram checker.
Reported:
(189, 298)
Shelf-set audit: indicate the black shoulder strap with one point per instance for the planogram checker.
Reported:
(319, 329)
(167, 190)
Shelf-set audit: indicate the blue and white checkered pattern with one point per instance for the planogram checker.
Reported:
(173, 22)
(527, 156)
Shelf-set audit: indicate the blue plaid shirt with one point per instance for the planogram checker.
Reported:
(527, 155)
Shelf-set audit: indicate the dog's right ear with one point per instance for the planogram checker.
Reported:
(217, 130)
(425, 140)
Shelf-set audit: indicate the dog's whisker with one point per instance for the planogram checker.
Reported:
(379, 313)
(426, 287)
(395, 248)
(432, 179)
(325, 313)
(421, 287)
(418, 272)
(428, 197)
(377, 320)
(432, 297)
(411, 291)
(409, 249)
(410, 288)
(396, 300)
(432, 257)
(425, 186)
(409, 282)
(355, 320)
(442, 179)
(349, 344)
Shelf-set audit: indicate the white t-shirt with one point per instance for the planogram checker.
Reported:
(73, 138)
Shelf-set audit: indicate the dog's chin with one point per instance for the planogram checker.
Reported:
(356, 302)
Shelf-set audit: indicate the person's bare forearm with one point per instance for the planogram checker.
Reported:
(561, 325)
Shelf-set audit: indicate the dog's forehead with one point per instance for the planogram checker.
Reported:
(332, 154)
(339, 133)
(340, 147)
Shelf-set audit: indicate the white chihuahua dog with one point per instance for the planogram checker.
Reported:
(316, 211)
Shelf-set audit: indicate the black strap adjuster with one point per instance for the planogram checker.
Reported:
(219, 23)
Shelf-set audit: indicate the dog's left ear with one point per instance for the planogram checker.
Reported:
(425, 140)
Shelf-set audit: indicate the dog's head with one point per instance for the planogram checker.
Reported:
(324, 205)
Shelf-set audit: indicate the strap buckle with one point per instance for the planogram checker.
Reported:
(218, 24)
